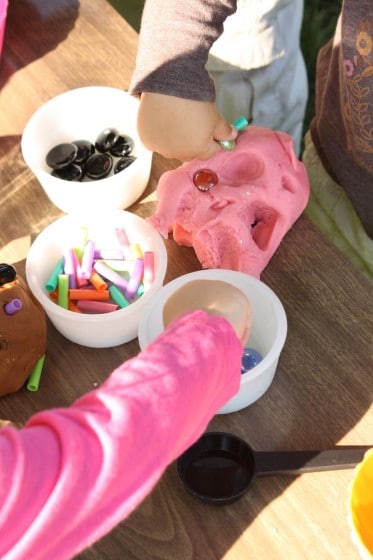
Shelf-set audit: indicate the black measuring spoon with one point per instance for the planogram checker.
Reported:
(220, 467)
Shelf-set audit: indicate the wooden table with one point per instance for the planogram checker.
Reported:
(322, 393)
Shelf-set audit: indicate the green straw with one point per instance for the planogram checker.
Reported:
(63, 289)
(34, 379)
(51, 283)
(118, 297)
(83, 232)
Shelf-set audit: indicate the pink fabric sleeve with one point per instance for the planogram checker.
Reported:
(72, 474)
(174, 43)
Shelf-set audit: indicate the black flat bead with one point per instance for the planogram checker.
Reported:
(106, 139)
(61, 155)
(98, 166)
(7, 273)
(123, 162)
(85, 149)
(72, 172)
(122, 146)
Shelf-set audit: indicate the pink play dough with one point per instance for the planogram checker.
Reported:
(237, 224)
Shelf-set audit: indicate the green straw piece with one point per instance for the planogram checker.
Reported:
(79, 249)
(63, 291)
(118, 297)
(240, 123)
(51, 283)
(34, 379)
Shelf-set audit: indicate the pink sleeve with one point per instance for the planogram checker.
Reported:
(72, 474)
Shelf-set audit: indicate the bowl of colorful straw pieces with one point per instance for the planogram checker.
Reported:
(94, 275)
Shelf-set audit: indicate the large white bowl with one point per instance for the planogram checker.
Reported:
(83, 113)
(94, 330)
(268, 332)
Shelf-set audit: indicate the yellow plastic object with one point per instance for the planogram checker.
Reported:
(361, 506)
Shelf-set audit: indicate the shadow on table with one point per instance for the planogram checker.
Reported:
(47, 24)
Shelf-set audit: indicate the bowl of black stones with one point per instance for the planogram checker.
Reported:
(83, 148)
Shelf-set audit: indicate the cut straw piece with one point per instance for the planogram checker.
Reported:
(51, 283)
(34, 379)
(63, 288)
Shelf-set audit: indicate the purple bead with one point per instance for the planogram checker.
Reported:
(13, 306)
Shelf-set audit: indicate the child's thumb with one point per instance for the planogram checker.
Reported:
(225, 131)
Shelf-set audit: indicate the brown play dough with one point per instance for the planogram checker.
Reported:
(217, 298)
(23, 336)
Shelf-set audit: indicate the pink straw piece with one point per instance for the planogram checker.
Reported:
(96, 306)
(123, 242)
(87, 259)
(135, 279)
(13, 306)
(149, 269)
(110, 274)
(70, 263)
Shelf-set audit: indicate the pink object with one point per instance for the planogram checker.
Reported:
(123, 242)
(3, 14)
(95, 461)
(96, 306)
(149, 269)
(238, 223)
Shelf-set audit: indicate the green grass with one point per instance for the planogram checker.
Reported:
(319, 21)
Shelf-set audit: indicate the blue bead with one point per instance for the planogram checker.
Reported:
(250, 359)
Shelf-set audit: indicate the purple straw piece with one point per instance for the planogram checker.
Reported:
(110, 254)
(135, 279)
(70, 262)
(110, 274)
(13, 306)
(87, 259)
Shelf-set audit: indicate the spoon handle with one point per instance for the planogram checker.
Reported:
(298, 462)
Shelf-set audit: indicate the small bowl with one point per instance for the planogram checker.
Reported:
(98, 330)
(268, 331)
(83, 113)
(218, 469)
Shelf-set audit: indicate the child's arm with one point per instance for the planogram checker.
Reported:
(178, 117)
(72, 474)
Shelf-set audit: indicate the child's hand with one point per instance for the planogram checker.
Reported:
(215, 297)
(181, 129)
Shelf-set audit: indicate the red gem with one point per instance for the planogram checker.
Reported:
(205, 179)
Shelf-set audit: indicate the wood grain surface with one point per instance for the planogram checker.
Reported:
(323, 389)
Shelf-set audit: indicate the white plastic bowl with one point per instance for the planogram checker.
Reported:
(84, 113)
(268, 332)
(94, 330)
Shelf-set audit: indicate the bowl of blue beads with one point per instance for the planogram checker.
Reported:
(267, 334)
(83, 148)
